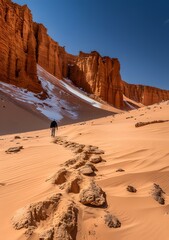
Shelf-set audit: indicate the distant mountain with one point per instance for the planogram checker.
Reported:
(24, 44)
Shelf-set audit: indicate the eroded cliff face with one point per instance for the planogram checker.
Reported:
(144, 94)
(50, 55)
(98, 75)
(18, 47)
(24, 43)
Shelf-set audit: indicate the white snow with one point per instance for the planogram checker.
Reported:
(80, 94)
(128, 101)
(51, 107)
(71, 88)
(129, 105)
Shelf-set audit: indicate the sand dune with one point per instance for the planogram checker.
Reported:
(141, 152)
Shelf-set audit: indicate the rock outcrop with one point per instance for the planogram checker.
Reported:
(32, 214)
(93, 195)
(59, 177)
(14, 149)
(112, 221)
(59, 220)
(52, 57)
(98, 75)
(24, 43)
(18, 47)
(144, 94)
(158, 194)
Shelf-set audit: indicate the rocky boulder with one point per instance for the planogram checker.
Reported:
(158, 194)
(87, 170)
(32, 214)
(93, 195)
(59, 177)
(65, 223)
(14, 149)
(112, 221)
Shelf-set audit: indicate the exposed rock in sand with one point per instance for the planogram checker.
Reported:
(141, 124)
(70, 162)
(84, 156)
(14, 149)
(84, 151)
(79, 164)
(96, 159)
(93, 195)
(79, 149)
(59, 222)
(73, 185)
(120, 170)
(87, 170)
(65, 222)
(144, 156)
(158, 194)
(29, 232)
(112, 221)
(32, 214)
(47, 235)
(131, 189)
(89, 149)
(17, 137)
(59, 177)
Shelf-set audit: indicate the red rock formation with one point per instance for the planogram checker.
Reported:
(98, 75)
(17, 47)
(24, 43)
(95, 74)
(144, 94)
(50, 55)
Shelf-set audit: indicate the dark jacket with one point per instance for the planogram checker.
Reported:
(53, 124)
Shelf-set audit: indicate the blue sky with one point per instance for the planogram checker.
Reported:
(134, 31)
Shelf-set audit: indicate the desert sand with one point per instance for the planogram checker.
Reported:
(142, 154)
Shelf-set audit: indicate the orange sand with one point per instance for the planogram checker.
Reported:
(142, 152)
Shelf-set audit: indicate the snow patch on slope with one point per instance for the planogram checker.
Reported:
(58, 104)
(129, 102)
(80, 94)
(66, 86)
(52, 107)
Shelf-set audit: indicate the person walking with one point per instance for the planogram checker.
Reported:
(53, 127)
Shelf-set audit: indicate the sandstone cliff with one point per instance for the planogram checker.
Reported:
(144, 94)
(98, 75)
(24, 43)
(18, 47)
(50, 55)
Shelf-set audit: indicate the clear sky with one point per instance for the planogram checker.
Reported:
(134, 31)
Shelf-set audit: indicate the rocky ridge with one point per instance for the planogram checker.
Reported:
(24, 43)
(60, 214)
